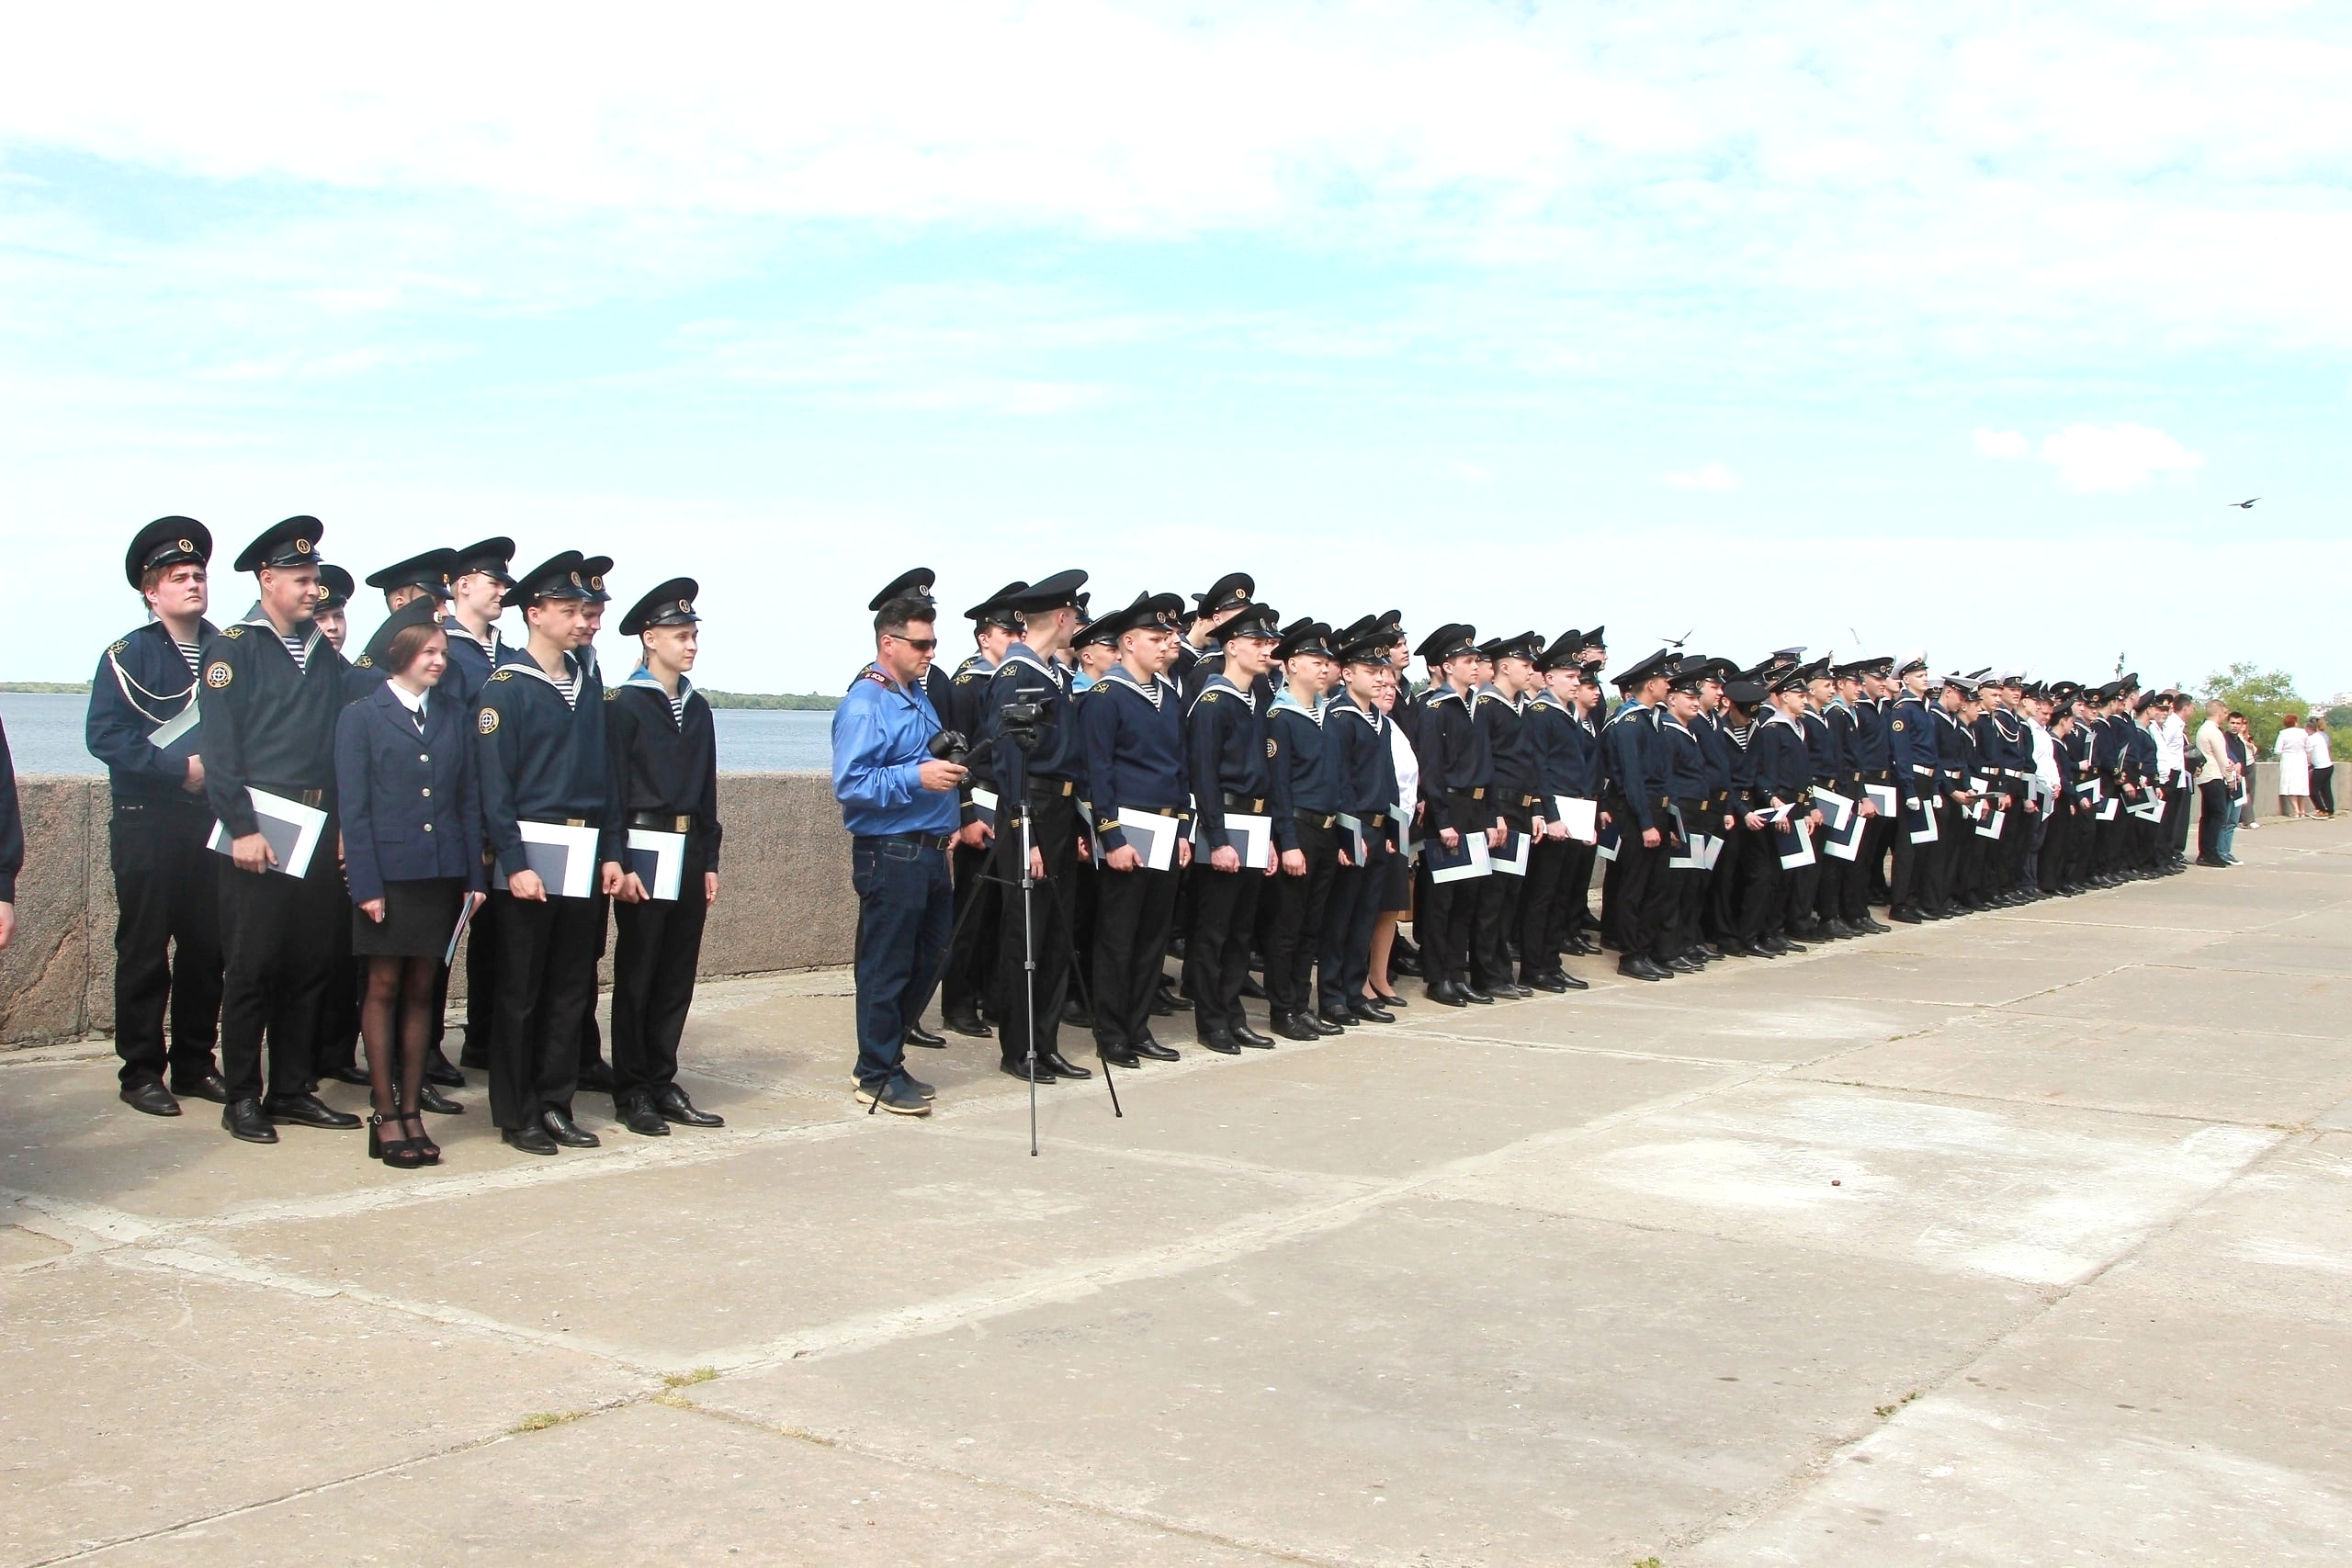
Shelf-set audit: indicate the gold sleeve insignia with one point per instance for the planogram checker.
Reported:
(366, 662)
(488, 722)
(1898, 724)
(218, 674)
(1270, 745)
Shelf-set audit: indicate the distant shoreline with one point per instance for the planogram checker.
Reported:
(798, 702)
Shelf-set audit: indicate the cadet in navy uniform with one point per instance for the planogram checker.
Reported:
(407, 789)
(1567, 757)
(1457, 777)
(479, 583)
(543, 757)
(1781, 766)
(1911, 741)
(1500, 709)
(1134, 726)
(971, 949)
(1225, 748)
(1202, 653)
(1683, 780)
(1634, 897)
(423, 576)
(1873, 755)
(273, 691)
(143, 725)
(899, 803)
(665, 756)
(1033, 676)
(1368, 792)
(1303, 788)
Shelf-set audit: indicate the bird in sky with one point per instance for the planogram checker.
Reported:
(2248, 504)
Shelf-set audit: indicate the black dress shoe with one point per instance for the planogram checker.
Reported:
(246, 1120)
(1166, 1002)
(598, 1076)
(529, 1140)
(1635, 967)
(639, 1117)
(968, 1025)
(433, 1099)
(1018, 1067)
(1118, 1056)
(438, 1069)
(1709, 950)
(1252, 1038)
(671, 1102)
(309, 1110)
(207, 1085)
(1473, 994)
(1546, 982)
(1445, 993)
(1400, 962)
(1152, 1050)
(1569, 982)
(151, 1097)
(1294, 1026)
(1063, 1067)
(1077, 1014)
(348, 1075)
(1869, 927)
(1365, 1011)
(1906, 917)
(1324, 1023)
(1682, 965)
(1251, 989)
(917, 1034)
(567, 1132)
(1221, 1042)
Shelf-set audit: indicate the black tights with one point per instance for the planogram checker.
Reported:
(402, 987)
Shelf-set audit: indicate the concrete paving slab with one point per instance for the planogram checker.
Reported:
(1679, 1019)
(1440, 1382)
(2280, 950)
(651, 1483)
(2139, 1068)
(2275, 1242)
(2312, 1005)
(717, 1259)
(2029, 1193)
(1376, 1102)
(19, 1247)
(134, 1399)
(2194, 901)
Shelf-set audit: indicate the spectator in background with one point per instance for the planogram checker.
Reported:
(2216, 784)
(2294, 770)
(2322, 765)
(2242, 749)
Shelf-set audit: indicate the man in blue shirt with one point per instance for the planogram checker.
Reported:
(899, 803)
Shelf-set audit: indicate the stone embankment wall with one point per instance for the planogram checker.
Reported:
(784, 900)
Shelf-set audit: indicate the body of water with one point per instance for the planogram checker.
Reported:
(45, 737)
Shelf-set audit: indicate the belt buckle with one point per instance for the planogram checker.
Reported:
(1478, 794)
(575, 821)
(685, 824)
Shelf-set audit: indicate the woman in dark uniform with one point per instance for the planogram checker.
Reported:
(411, 844)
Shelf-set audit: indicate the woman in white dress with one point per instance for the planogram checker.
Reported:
(2294, 769)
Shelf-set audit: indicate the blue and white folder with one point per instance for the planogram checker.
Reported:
(984, 808)
(1846, 843)
(1834, 807)
(1693, 855)
(1992, 825)
(658, 859)
(1462, 863)
(1795, 843)
(1511, 859)
(291, 828)
(1151, 836)
(1607, 841)
(1252, 835)
(564, 857)
(1920, 818)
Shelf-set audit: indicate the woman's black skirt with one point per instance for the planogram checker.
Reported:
(418, 919)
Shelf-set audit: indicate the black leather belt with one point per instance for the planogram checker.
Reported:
(661, 821)
(1252, 804)
(307, 796)
(921, 840)
(1319, 818)
(1530, 800)
(1051, 789)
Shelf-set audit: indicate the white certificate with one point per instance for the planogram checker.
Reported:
(1836, 807)
(659, 859)
(1511, 859)
(984, 808)
(290, 827)
(1991, 827)
(1252, 836)
(1693, 855)
(1925, 833)
(1582, 817)
(1800, 834)
(1458, 864)
(1151, 836)
(1885, 797)
(1354, 844)
(564, 857)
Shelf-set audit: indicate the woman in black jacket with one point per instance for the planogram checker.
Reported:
(412, 845)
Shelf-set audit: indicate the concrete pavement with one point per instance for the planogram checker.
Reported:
(2022, 1239)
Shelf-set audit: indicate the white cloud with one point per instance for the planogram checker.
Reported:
(1710, 475)
(2111, 457)
(2007, 444)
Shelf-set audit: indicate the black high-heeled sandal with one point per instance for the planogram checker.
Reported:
(398, 1153)
(427, 1150)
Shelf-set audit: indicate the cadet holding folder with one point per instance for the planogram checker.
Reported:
(546, 781)
(665, 760)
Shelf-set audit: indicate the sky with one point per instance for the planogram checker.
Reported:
(1865, 327)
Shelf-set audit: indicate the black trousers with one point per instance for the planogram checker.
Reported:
(1053, 831)
(1856, 888)
(2324, 790)
(592, 1037)
(654, 954)
(1642, 896)
(2212, 812)
(971, 953)
(277, 943)
(1133, 910)
(1943, 857)
(1216, 954)
(481, 990)
(1302, 904)
(338, 1042)
(1500, 896)
(166, 940)
(1443, 913)
(1726, 885)
(547, 983)
(1760, 892)
(1344, 966)
(1542, 909)
(1907, 887)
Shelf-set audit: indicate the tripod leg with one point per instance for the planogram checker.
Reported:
(1029, 976)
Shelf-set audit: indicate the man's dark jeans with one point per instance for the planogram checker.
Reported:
(906, 908)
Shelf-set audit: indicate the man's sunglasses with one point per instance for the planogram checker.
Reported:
(920, 644)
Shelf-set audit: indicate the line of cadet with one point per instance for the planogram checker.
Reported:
(204, 728)
(1313, 797)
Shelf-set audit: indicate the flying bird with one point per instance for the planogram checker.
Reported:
(2248, 504)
